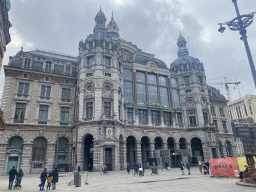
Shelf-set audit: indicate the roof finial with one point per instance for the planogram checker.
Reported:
(100, 7)
(112, 14)
(180, 33)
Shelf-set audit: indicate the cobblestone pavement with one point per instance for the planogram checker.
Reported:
(121, 181)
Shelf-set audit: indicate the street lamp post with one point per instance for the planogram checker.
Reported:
(239, 24)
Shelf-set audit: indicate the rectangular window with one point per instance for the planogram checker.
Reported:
(128, 91)
(200, 78)
(162, 80)
(224, 125)
(174, 82)
(23, 90)
(141, 93)
(187, 80)
(89, 110)
(213, 111)
(43, 114)
(48, 66)
(130, 115)
(140, 76)
(27, 63)
(68, 69)
(65, 96)
(188, 91)
(221, 112)
(164, 96)
(167, 118)
(107, 61)
(107, 109)
(245, 110)
(127, 74)
(179, 118)
(106, 45)
(175, 98)
(90, 45)
(20, 112)
(250, 110)
(107, 74)
(152, 94)
(156, 117)
(151, 78)
(45, 92)
(64, 116)
(90, 61)
(192, 118)
(143, 116)
(215, 124)
(205, 115)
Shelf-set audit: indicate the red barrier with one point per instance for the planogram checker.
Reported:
(224, 167)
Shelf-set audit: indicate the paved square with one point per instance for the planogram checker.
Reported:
(121, 181)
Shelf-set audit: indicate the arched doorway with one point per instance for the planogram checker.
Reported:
(145, 150)
(183, 143)
(131, 150)
(229, 149)
(158, 143)
(14, 151)
(39, 154)
(171, 144)
(197, 150)
(121, 152)
(221, 149)
(88, 152)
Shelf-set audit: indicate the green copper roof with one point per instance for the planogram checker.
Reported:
(8, 5)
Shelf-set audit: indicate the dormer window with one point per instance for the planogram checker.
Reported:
(47, 79)
(27, 63)
(68, 69)
(67, 81)
(25, 76)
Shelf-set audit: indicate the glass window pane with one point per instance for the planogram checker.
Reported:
(128, 91)
(43, 90)
(164, 96)
(152, 78)
(176, 98)
(140, 76)
(152, 93)
(68, 93)
(26, 89)
(162, 80)
(20, 89)
(141, 93)
(63, 95)
(127, 74)
(174, 82)
(48, 92)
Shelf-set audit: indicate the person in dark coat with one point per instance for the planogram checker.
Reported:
(55, 178)
(128, 168)
(12, 174)
(182, 167)
(166, 165)
(208, 166)
(188, 167)
(43, 179)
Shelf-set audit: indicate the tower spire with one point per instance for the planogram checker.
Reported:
(182, 46)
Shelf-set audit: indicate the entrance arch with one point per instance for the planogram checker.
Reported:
(183, 143)
(131, 150)
(145, 150)
(197, 149)
(158, 143)
(88, 152)
(171, 144)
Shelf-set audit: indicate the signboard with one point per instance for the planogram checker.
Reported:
(224, 167)
(242, 162)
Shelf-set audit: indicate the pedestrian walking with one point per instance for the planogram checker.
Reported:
(43, 179)
(188, 167)
(135, 168)
(207, 166)
(55, 178)
(128, 168)
(166, 165)
(12, 174)
(49, 181)
(182, 168)
(200, 166)
(20, 174)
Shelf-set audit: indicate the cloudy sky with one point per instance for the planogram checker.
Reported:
(153, 25)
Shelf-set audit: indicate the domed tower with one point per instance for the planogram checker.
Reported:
(112, 27)
(190, 75)
(100, 21)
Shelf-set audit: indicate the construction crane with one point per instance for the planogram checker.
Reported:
(226, 86)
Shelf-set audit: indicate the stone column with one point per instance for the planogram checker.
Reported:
(80, 155)
(206, 151)
(96, 155)
(152, 148)
(25, 164)
(164, 145)
(50, 156)
(177, 146)
(189, 148)
(139, 158)
(124, 155)
(3, 159)
(224, 148)
(117, 156)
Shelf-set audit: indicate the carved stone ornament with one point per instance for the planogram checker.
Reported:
(152, 67)
(125, 55)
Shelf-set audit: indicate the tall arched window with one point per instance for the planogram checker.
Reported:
(39, 149)
(62, 151)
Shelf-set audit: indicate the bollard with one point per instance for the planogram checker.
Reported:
(78, 179)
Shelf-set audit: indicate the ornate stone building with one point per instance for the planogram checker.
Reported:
(113, 104)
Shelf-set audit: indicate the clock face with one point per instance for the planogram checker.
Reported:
(190, 101)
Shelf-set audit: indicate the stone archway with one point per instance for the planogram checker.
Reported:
(197, 150)
(145, 150)
(171, 144)
(183, 143)
(131, 150)
(158, 143)
(88, 152)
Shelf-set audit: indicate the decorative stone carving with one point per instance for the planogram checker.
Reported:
(125, 55)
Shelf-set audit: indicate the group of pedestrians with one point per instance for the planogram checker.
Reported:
(200, 166)
(51, 177)
(137, 167)
(14, 174)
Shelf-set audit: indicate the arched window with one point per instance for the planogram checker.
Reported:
(15, 142)
(63, 142)
(229, 149)
(39, 149)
